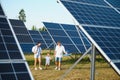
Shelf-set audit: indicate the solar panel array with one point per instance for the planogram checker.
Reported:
(68, 36)
(12, 62)
(101, 24)
(23, 35)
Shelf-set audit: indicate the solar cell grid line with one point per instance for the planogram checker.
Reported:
(113, 6)
(4, 48)
(11, 45)
(104, 36)
(115, 3)
(85, 40)
(81, 38)
(10, 48)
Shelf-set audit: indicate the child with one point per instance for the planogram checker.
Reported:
(47, 62)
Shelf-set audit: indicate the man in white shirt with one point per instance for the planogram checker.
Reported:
(59, 50)
(37, 55)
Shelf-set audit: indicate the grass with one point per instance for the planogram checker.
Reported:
(80, 72)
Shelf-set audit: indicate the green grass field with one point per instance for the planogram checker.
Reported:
(80, 72)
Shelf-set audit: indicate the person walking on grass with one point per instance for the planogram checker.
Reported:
(37, 55)
(58, 53)
(47, 62)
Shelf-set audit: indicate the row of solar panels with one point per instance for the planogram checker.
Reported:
(70, 36)
(28, 38)
(12, 62)
(13, 65)
(100, 22)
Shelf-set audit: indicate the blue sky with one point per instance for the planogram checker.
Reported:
(37, 11)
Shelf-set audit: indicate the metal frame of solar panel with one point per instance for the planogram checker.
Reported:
(48, 39)
(67, 35)
(23, 35)
(37, 37)
(114, 3)
(13, 65)
(101, 24)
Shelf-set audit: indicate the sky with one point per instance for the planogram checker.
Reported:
(37, 11)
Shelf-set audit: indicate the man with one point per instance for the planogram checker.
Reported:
(37, 55)
(59, 50)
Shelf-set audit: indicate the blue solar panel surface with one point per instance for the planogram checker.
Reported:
(7, 42)
(102, 24)
(108, 39)
(67, 35)
(73, 33)
(12, 63)
(96, 2)
(48, 39)
(14, 71)
(59, 35)
(92, 14)
(115, 3)
(23, 35)
(37, 38)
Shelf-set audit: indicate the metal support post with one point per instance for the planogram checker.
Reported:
(93, 56)
(62, 77)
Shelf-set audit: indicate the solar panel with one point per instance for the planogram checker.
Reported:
(108, 39)
(68, 36)
(37, 38)
(59, 35)
(94, 2)
(14, 71)
(85, 40)
(13, 65)
(101, 24)
(115, 3)
(48, 39)
(23, 35)
(93, 14)
(76, 38)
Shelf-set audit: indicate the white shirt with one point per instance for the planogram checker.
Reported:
(36, 49)
(47, 59)
(59, 51)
